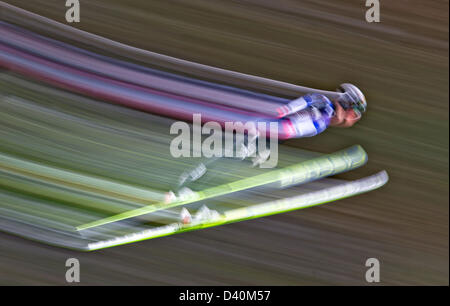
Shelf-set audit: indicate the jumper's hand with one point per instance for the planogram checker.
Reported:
(344, 118)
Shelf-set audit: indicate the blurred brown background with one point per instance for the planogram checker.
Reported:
(400, 63)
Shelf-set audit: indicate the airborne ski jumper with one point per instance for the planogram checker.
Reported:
(107, 174)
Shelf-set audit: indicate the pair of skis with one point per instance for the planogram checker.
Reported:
(111, 231)
(307, 171)
(314, 198)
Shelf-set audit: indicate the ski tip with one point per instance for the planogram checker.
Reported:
(384, 177)
(357, 150)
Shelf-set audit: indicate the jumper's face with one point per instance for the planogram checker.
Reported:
(344, 118)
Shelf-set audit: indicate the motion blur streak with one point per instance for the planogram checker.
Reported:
(403, 64)
(135, 86)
